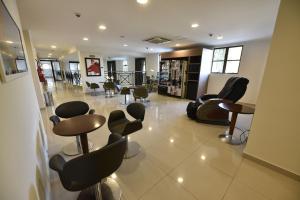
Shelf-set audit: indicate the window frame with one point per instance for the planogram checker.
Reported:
(226, 59)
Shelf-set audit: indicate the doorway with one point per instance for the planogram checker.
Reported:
(51, 70)
(111, 69)
(140, 68)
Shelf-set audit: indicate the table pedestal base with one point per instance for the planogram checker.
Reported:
(234, 139)
(72, 149)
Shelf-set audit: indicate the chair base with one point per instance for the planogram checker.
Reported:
(72, 149)
(110, 190)
(133, 148)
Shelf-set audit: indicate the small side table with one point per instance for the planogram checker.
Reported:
(80, 126)
(235, 109)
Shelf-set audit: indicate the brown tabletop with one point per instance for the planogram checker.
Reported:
(235, 109)
(238, 108)
(79, 125)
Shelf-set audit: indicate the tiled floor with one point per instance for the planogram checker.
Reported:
(180, 159)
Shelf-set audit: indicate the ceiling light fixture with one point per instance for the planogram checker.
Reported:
(9, 42)
(177, 45)
(151, 49)
(180, 180)
(102, 27)
(85, 39)
(219, 37)
(195, 25)
(143, 2)
(53, 46)
(125, 45)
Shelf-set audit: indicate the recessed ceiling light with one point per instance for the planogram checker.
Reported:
(180, 180)
(53, 46)
(85, 39)
(125, 45)
(171, 140)
(195, 25)
(142, 1)
(177, 45)
(151, 49)
(9, 42)
(50, 54)
(219, 37)
(102, 27)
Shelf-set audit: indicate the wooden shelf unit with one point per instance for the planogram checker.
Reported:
(195, 76)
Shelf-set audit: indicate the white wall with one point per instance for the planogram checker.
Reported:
(32, 57)
(275, 134)
(152, 64)
(252, 66)
(22, 175)
(93, 79)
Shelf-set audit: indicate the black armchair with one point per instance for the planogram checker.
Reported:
(119, 124)
(91, 169)
(207, 106)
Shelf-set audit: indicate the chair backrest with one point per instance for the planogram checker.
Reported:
(94, 86)
(234, 89)
(88, 84)
(141, 92)
(125, 90)
(136, 110)
(89, 169)
(72, 109)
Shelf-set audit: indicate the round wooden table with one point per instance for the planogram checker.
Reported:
(235, 109)
(80, 126)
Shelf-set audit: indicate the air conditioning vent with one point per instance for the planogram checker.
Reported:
(157, 40)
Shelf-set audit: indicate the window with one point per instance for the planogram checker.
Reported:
(125, 66)
(227, 60)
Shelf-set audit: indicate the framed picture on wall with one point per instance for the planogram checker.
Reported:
(12, 55)
(92, 66)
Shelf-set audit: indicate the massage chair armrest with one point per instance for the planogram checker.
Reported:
(57, 163)
(206, 97)
(212, 103)
(116, 115)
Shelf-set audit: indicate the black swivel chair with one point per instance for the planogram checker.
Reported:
(119, 124)
(68, 110)
(209, 111)
(87, 173)
(125, 91)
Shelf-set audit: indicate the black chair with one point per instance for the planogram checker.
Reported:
(119, 124)
(125, 91)
(94, 87)
(68, 110)
(87, 173)
(140, 93)
(208, 110)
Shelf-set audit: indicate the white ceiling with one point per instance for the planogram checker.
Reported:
(54, 22)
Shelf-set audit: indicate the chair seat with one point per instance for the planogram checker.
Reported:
(119, 126)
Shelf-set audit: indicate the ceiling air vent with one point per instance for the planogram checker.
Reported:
(157, 40)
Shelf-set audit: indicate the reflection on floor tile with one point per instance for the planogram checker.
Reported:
(180, 158)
